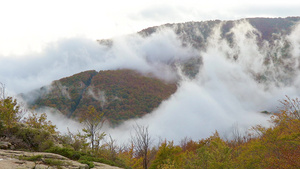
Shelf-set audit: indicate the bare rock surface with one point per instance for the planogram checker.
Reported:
(5, 145)
(104, 166)
(19, 160)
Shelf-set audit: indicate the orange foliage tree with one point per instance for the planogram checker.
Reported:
(277, 146)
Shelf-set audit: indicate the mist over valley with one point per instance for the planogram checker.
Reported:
(182, 80)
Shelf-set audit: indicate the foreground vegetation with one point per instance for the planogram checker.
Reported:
(275, 147)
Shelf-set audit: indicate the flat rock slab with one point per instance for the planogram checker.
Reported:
(10, 159)
(5, 145)
(104, 166)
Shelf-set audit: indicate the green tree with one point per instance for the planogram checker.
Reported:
(40, 122)
(168, 156)
(277, 146)
(9, 112)
(215, 153)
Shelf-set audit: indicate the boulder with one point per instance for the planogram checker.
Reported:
(5, 145)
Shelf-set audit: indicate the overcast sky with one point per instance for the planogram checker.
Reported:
(28, 26)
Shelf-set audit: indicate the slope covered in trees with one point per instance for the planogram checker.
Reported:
(197, 33)
(271, 36)
(119, 94)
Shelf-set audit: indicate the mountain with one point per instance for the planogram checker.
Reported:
(125, 94)
(197, 33)
(119, 94)
(270, 36)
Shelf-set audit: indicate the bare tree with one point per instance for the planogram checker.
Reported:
(184, 143)
(141, 141)
(2, 91)
(112, 147)
(236, 134)
(291, 107)
(93, 123)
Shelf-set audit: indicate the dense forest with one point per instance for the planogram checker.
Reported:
(119, 94)
(197, 33)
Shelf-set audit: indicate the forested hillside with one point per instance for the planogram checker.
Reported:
(119, 94)
(197, 33)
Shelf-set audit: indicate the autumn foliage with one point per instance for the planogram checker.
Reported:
(118, 94)
(9, 111)
(275, 147)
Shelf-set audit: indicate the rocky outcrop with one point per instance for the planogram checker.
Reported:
(104, 166)
(39, 160)
(5, 145)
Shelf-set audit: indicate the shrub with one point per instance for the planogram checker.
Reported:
(31, 158)
(40, 122)
(100, 160)
(35, 139)
(89, 163)
(67, 152)
(54, 162)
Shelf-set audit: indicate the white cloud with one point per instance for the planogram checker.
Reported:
(154, 54)
(222, 94)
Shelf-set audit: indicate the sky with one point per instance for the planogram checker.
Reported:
(29, 26)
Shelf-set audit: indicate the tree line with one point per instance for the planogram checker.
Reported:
(277, 146)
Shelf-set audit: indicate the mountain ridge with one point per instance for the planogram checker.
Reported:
(269, 33)
(119, 94)
(267, 26)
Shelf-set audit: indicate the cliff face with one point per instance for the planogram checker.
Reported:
(119, 94)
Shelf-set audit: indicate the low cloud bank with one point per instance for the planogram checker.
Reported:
(226, 93)
(234, 83)
(154, 54)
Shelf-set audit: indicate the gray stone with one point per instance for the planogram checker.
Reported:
(5, 145)
(11, 159)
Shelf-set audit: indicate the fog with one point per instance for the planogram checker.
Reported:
(69, 56)
(225, 92)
